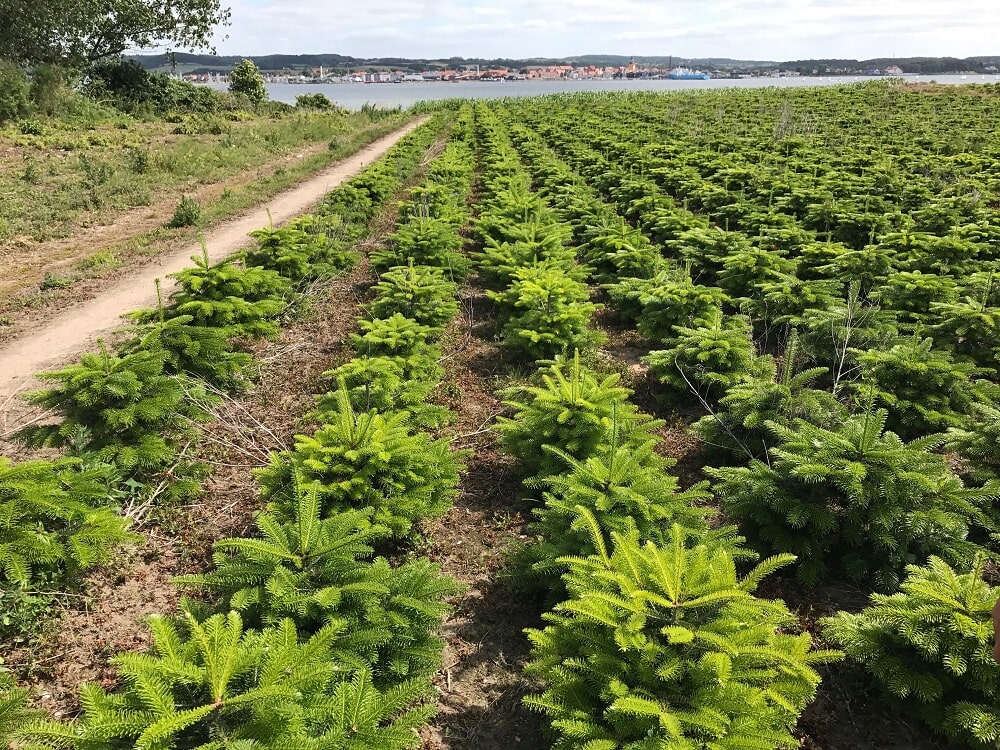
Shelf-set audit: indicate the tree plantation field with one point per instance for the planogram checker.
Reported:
(605, 421)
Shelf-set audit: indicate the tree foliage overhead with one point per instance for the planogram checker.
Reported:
(77, 32)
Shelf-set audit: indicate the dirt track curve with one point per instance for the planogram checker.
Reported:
(78, 327)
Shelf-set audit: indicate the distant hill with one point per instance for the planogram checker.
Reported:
(187, 63)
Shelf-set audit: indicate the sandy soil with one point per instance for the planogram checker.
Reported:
(76, 328)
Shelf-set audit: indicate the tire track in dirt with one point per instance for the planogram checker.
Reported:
(76, 329)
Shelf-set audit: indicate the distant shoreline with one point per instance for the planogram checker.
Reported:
(406, 94)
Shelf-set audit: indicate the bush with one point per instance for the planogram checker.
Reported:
(421, 293)
(186, 214)
(214, 684)
(572, 410)
(739, 426)
(425, 241)
(549, 312)
(923, 388)
(979, 442)
(854, 497)
(31, 127)
(51, 523)
(14, 711)
(296, 253)
(369, 460)
(49, 89)
(395, 336)
(664, 646)
(621, 488)
(930, 647)
(317, 101)
(14, 89)
(240, 301)
(708, 359)
(130, 410)
(317, 569)
(202, 351)
(670, 304)
(616, 250)
(386, 384)
(246, 80)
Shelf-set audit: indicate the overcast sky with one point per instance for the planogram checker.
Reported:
(743, 29)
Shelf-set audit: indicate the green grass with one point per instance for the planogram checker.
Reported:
(77, 173)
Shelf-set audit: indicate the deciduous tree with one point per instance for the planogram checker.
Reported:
(77, 32)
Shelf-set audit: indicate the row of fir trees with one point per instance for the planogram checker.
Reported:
(300, 636)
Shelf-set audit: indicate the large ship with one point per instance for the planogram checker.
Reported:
(686, 74)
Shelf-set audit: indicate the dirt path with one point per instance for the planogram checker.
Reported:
(77, 328)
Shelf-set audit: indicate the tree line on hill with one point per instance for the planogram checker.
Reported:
(204, 63)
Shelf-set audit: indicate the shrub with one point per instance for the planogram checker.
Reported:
(707, 248)
(621, 488)
(296, 253)
(369, 460)
(667, 300)
(708, 359)
(535, 245)
(387, 384)
(420, 293)
(395, 336)
(186, 214)
(50, 522)
(739, 426)
(427, 242)
(923, 388)
(439, 201)
(930, 647)
(853, 323)
(970, 327)
(14, 712)
(785, 300)
(131, 412)
(855, 497)
(744, 271)
(31, 127)
(49, 89)
(14, 89)
(316, 101)
(666, 646)
(317, 570)
(245, 80)
(616, 250)
(912, 293)
(571, 409)
(549, 312)
(215, 684)
(202, 351)
(240, 301)
(979, 441)
(54, 281)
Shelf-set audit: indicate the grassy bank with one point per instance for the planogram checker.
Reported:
(218, 175)
(63, 175)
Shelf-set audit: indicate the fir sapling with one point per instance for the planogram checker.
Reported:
(571, 408)
(930, 646)
(666, 645)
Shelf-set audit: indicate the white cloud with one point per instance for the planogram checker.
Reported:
(748, 29)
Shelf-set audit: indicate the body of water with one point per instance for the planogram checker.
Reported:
(355, 95)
